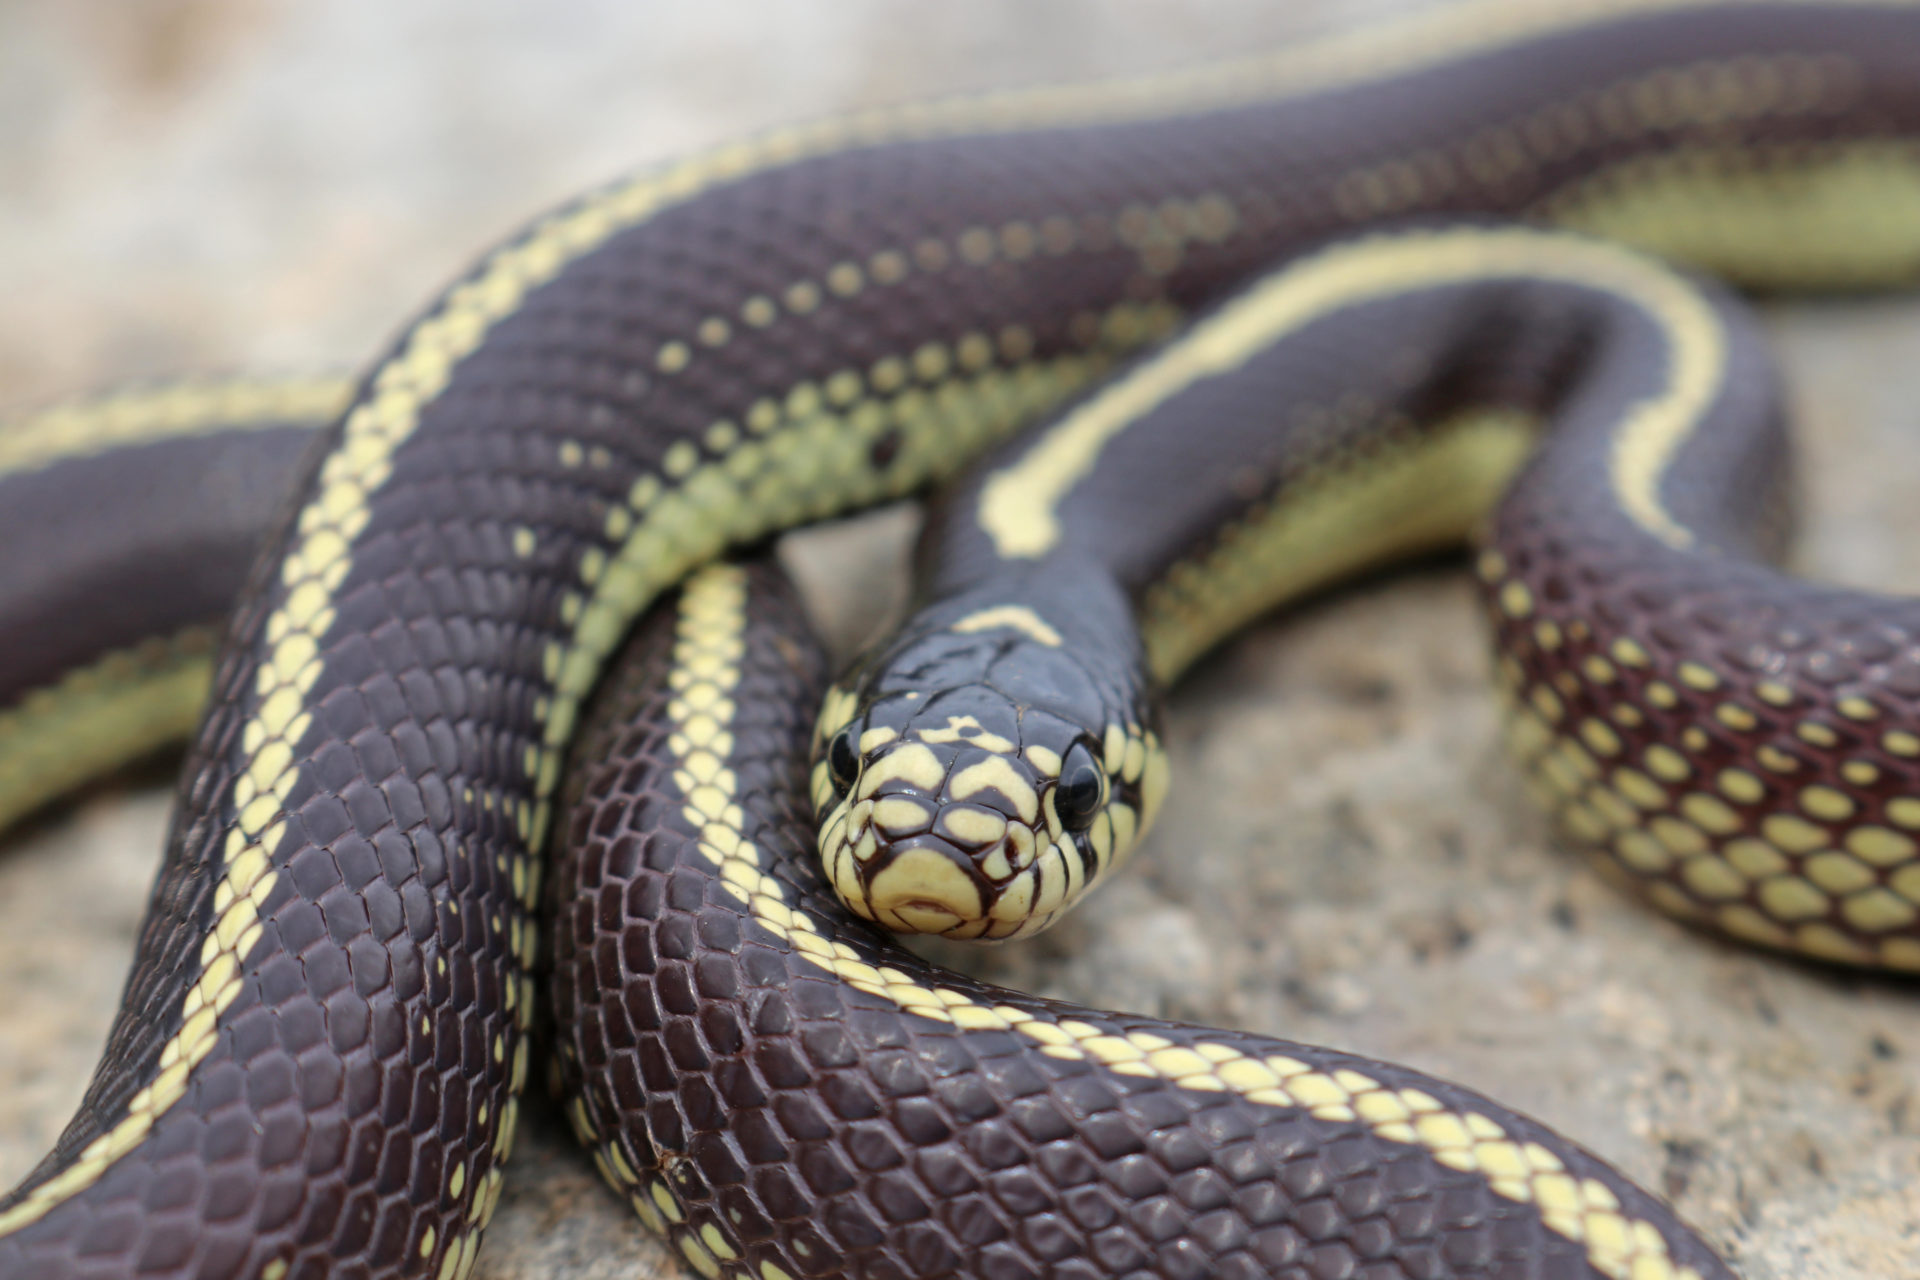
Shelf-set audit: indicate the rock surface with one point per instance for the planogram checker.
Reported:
(205, 184)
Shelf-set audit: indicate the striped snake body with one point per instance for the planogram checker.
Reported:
(316, 1068)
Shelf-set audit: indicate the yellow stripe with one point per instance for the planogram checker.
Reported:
(98, 423)
(1018, 505)
(100, 717)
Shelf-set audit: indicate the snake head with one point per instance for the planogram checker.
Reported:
(977, 775)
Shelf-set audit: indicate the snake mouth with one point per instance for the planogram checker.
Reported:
(925, 890)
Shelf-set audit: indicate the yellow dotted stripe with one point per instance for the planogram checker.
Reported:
(1693, 840)
(100, 717)
(1018, 503)
(1013, 617)
(1159, 233)
(99, 423)
(708, 649)
(1709, 93)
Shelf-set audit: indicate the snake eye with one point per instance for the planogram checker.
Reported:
(843, 760)
(1082, 789)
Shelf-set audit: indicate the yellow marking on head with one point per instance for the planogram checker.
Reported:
(969, 825)
(901, 814)
(1017, 617)
(965, 729)
(1153, 790)
(922, 891)
(914, 764)
(997, 774)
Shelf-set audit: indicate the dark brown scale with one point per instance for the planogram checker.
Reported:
(828, 1132)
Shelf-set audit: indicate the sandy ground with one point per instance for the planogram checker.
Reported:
(213, 184)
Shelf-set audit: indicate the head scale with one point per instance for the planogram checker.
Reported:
(978, 774)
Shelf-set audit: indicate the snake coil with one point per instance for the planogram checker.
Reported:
(317, 1065)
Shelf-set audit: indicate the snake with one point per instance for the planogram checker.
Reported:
(317, 1064)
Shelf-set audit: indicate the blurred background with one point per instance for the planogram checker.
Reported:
(276, 185)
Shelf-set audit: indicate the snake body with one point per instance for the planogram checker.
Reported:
(316, 1067)
(102, 500)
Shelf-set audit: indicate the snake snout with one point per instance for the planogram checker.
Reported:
(948, 849)
(926, 888)
(891, 860)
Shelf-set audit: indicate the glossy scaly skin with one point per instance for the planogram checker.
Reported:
(341, 947)
(129, 520)
(1735, 744)
(784, 1091)
(706, 1113)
